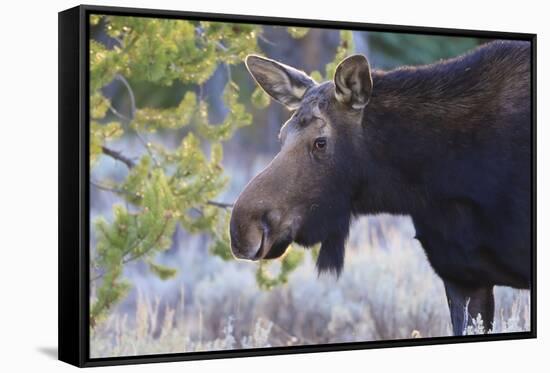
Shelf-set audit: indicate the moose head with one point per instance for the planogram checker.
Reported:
(305, 194)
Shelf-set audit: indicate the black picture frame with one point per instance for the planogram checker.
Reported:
(74, 191)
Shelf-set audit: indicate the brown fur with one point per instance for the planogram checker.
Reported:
(448, 144)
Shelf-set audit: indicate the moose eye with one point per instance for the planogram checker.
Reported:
(320, 143)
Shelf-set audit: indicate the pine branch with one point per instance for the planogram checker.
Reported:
(106, 188)
(155, 242)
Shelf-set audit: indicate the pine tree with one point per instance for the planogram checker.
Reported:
(164, 187)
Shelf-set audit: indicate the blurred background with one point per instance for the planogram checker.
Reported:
(178, 128)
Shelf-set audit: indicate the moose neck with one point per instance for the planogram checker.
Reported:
(404, 127)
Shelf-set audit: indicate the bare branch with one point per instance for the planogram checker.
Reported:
(265, 40)
(201, 92)
(119, 115)
(228, 71)
(222, 205)
(118, 156)
(106, 188)
(221, 46)
(97, 277)
(133, 107)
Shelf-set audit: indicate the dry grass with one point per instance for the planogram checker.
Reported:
(387, 291)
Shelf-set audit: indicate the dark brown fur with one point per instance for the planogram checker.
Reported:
(448, 144)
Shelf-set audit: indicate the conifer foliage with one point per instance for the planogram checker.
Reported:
(164, 187)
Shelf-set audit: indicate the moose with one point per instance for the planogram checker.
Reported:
(448, 144)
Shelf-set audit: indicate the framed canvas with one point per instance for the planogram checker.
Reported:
(235, 186)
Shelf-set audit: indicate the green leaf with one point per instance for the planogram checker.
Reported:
(236, 118)
(297, 32)
(316, 75)
(151, 119)
(99, 105)
(345, 48)
(163, 272)
(289, 262)
(259, 98)
(101, 134)
(95, 19)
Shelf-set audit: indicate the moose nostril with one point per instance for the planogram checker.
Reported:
(264, 222)
(247, 239)
(258, 252)
(250, 229)
(251, 253)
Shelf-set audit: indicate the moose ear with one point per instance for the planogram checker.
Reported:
(283, 83)
(353, 81)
